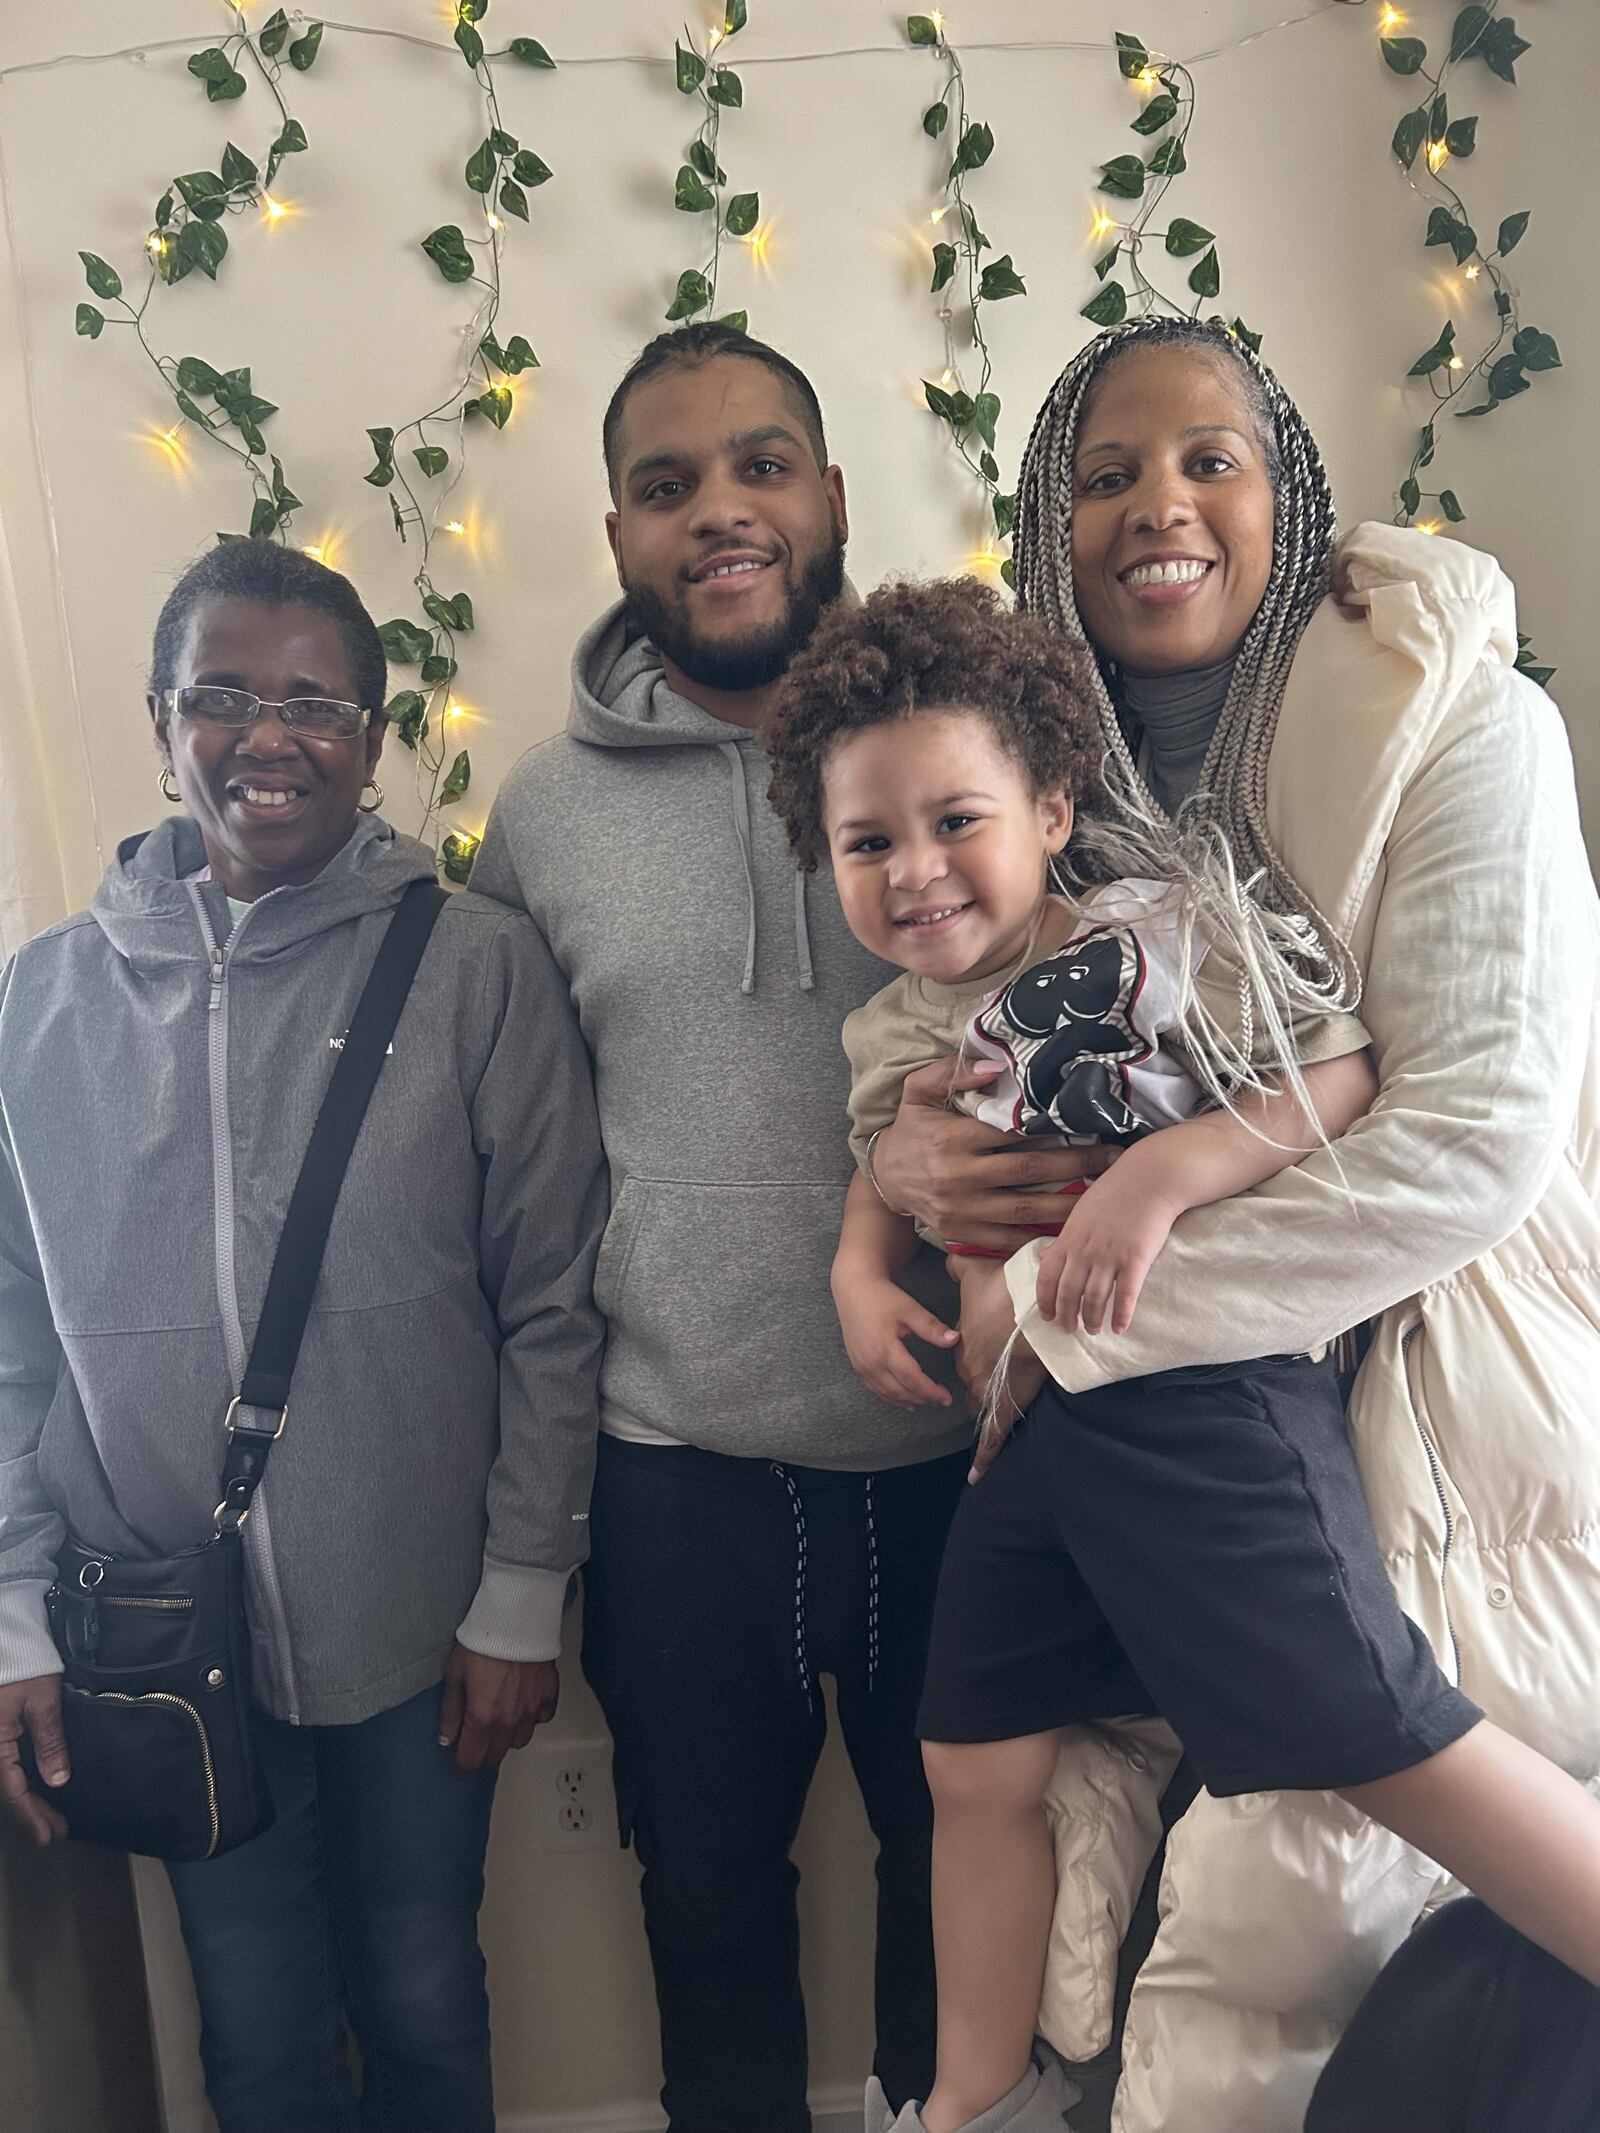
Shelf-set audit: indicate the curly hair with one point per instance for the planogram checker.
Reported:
(922, 647)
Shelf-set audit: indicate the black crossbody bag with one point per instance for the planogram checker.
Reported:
(155, 1650)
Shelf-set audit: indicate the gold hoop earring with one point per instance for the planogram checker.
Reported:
(370, 807)
(169, 792)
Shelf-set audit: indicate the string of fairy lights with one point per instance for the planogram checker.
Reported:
(421, 461)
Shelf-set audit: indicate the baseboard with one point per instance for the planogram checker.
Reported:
(835, 2110)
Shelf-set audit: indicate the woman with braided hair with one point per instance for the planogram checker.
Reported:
(1364, 806)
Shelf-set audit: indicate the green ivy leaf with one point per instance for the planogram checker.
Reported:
(944, 265)
(164, 209)
(103, 279)
(459, 779)
(472, 10)
(985, 414)
(470, 43)
(922, 29)
(496, 404)
(706, 163)
(1470, 25)
(1000, 279)
(432, 458)
(403, 643)
(481, 167)
(407, 712)
(254, 441)
(1409, 136)
(513, 199)
(237, 169)
(263, 518)
(531, 52)
(1005, 513)
(1450, 505)
(438, 607)
(491, 351)
(1512, 232)
(89, 322)
(287, 500)
(530, 170)
(1123, 176)
(436, 668)
(1241, 332)
(975, 236)
(204, 193)
(291, 142)
(738, 320)
(1168, 160)
(1205, 277)
(1160, 111)
(939, 400)
(691, 70)
(1185, 237)
(1110, 307)
(303, 52)
(195, 375)
(1132, 55)
(1537, 350)
(988, 466)
(273, 34)
(447, 248)
(1502, 48)
(202, 245)
(961, 409)
(1008, 574)
(1107, 260)
(192, 409)
(692, 195)
(1425, 446)
(1437, 356)
(1410, 497)
(977, 145)
(519, 356)
(211, 65)
(457, 854)
(726, 88)
(935, 119)
(1506, 379)
(1444, 227)
(1404, 54)
(1438, 118)
(737, 15)
(694, 294)
(1461, 137)
(1502, 303)
(744, 212)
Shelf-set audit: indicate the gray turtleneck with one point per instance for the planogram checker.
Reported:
(1170, 719)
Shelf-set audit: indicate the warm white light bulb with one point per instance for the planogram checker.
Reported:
(1456, 363)
(1472, 273)
(1437, 152)
(455, 526)
(275, 209)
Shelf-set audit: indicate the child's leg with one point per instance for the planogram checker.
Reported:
(994, 1888)
(1516, 1829)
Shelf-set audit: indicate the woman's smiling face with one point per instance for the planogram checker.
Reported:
(273, 805)
(1172, 511)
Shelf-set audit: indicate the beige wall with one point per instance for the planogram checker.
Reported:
(347, 326)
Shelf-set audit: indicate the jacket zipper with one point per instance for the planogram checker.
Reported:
(257, 1528)
(129, 1599)
(1436, 1469)
(178, 1703)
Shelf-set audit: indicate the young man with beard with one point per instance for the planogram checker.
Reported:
(759, 1518)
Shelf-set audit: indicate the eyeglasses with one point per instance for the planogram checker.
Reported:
(320, 718)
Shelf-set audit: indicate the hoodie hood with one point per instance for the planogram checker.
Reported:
(145, 903)
(621, 698)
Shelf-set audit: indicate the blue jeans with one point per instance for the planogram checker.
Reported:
(359, 1906)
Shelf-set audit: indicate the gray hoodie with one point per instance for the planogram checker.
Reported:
(711, 979)
(158, 1081)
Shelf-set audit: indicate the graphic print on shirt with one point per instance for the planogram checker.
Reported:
(1068, 1028)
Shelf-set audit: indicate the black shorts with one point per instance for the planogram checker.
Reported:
(1196, 1546)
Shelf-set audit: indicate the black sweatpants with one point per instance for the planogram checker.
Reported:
(717, 1591)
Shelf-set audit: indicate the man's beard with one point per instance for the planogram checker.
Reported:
(740, 663)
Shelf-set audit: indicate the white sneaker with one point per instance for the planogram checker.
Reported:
(878, 2118)
(1038, 2104)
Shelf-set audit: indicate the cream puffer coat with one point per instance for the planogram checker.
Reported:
(1423, 794)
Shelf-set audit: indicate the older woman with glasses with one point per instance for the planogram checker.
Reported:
(162, 1057)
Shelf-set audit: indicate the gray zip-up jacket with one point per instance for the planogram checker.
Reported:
(711, 980)
(158, 1083)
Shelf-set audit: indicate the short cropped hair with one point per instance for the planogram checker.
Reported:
(950, 643)
(274, 576)
(688, 347)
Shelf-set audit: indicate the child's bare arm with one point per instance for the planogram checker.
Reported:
(1115, 1231)
(875, 1314)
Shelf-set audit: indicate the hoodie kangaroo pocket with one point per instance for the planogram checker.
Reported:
(717, 1298)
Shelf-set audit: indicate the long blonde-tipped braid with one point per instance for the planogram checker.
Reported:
(1230, 882)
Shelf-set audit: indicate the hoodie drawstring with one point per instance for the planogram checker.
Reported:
(741, 825)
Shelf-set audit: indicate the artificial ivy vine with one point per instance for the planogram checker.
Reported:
(500, 173)
(1508, 354)
(1169, 112)
(971, 418)
(188, 236)
(702, 181)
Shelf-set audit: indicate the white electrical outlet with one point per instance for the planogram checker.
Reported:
(576, 1810)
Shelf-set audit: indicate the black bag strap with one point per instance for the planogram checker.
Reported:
(297, 1263)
